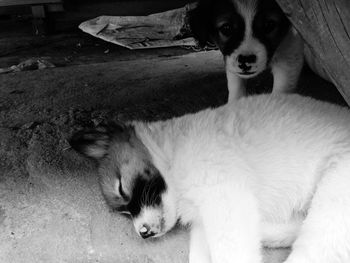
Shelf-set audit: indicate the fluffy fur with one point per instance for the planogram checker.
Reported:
(253, 35)
(271, 170)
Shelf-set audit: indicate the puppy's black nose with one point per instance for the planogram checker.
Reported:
(244, 67)
(246, 59)
(145, 231)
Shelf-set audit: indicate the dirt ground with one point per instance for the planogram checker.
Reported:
(51, 209)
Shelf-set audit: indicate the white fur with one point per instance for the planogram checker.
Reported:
(269, 169)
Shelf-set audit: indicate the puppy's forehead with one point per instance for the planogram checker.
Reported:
(244, 8)
(130, 161)
(247, 8)
(246, 3)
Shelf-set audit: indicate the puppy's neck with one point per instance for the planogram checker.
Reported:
(236, 86)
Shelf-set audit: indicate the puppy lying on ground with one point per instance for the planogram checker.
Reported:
(253, 35)
(268, 169)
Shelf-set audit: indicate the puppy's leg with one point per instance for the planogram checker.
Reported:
(287, 63)
(325, 233)
(199, 251)
(235, 86)
(231, 222)
(285, 77)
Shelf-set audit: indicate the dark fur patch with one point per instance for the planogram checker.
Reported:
(83, 141)
(203, 23)
(97, 140)
(199, 26)
(146, 192)
(228, 46)
(270, 25)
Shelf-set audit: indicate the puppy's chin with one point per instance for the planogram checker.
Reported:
(247, 75)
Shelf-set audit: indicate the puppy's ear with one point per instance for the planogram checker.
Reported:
(198, 21)
(92, 143)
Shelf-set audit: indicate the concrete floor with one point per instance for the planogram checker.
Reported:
(51, 209)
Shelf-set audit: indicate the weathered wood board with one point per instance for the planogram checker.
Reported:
(27, 2)
(325, 27)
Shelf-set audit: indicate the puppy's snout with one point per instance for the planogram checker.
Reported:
(246, 59)
(146, 232)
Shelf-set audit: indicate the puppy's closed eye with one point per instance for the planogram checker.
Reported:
(123, 210)
(122, 193)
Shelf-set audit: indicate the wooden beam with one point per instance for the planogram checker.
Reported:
(38, 11)
(27, 2)
(325, 27)
(53, 8)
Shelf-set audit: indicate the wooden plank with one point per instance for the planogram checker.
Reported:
(53, 8)
(40, 25)
(27, 2)
(325, 27)
(23, 9)
(12, 10)
(38, 11)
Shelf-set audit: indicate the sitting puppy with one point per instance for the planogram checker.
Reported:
(267, 169)
(252, 35)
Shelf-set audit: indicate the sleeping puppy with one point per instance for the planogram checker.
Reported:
(266, 170)
(132, 185)
(253, 35)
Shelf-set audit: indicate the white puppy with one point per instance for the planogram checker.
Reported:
(268, 169)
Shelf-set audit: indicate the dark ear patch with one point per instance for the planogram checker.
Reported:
(92, 143)
(198, 20)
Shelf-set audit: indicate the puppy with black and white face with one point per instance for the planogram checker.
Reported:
(132, 184)
(253, 35)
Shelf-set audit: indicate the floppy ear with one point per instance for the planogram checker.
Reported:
(198, 21)
(94, 143)
(91, 143)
